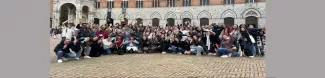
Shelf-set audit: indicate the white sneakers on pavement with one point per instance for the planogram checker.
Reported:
(224, 56)
(87, 57)
(60, 61)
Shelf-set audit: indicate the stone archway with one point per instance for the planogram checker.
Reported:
(67, 13)
(229, 21)
(170, 22)
(170, 18)
(85, 14)
(139, 21)
(251, 20)
(155, 22)
(186, 21)
(251, 16)
(204, 21)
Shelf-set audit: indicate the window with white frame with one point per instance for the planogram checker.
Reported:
(97, 4)
(110, 3)
(250, 1)
(186, 2)
(155, 3)
(229, 1)
(124, 3)
(204, 2)
(171, 3)
(139, 4)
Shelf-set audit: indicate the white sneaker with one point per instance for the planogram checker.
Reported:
(224, 56)
(60, 61)
(198, 54)
(214, 54)
(163, 52)
(77, 58)
(179, 53)
(87, 57)
(251, 56)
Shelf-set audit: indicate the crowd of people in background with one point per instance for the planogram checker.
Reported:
(216, 39)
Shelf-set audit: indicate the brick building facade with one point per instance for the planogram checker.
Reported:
(161, 12)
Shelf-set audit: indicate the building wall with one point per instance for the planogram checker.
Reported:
(163, 3)
(215, 13)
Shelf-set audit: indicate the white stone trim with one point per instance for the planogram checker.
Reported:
(204, 14)
(170, 14)
(155, 15)
(186, 14)
(251, 12)
(139, 15)
(228, 13)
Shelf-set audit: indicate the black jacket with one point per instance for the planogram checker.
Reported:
(60, 46)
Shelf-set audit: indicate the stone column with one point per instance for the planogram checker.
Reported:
(78, 16)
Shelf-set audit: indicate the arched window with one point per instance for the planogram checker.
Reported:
(139, 4)
(204, 2)
(186, 21)
(171, 3)
(155, 22)
(204, 21)
(229, 21)
(155, 3)
(124, 4)
(110, 3)
(186, 2)
(229, 1)
(251, 20)
(139, 21)
(170, 22)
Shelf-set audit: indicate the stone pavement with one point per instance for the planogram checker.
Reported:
(157, 66)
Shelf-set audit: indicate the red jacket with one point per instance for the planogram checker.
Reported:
(101, 34)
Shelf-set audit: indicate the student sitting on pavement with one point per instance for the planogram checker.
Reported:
(62, 50)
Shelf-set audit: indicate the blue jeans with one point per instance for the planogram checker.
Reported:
(236, 44)
(174, 48)
(61, 54)
(108, 51)
(256, 49)
(234, 54)
(251, 50)
(222, 51)
(197, 50)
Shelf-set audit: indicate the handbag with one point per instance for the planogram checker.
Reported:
(251, 38)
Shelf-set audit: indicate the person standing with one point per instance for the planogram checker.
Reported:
(69, 33)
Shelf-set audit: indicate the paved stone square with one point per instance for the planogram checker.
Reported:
(157, 66)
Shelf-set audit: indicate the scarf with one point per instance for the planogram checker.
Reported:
(208, 40)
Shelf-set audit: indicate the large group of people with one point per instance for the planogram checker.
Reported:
(216, 39)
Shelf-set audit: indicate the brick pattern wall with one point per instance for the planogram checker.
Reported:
(147, 3)
(103, 4)
(179, 3)
(239, 1)
(219, 2)
(132, 3)
(195, 3)
(163, 3)
(117, 3)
